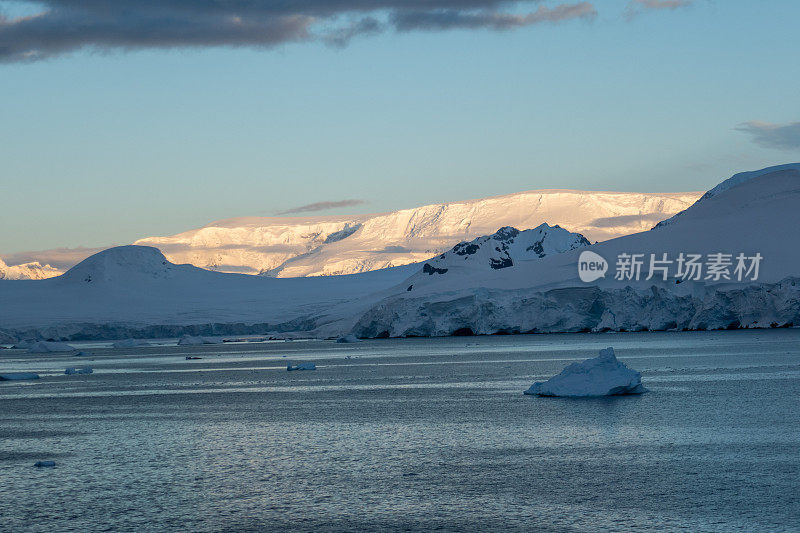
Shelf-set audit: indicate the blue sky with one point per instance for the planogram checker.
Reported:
(103, 147)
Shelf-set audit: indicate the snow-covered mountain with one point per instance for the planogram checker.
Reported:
(750, 216)
(503, 249)
(135, 291)
(332, 245)
(33, 270)
(323, 246)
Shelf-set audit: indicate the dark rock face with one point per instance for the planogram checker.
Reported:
(431, 270)
(465, 248)
(505, 233)
(504, 262)
(537, 248)
(343, 233)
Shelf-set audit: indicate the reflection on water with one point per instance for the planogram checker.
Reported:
(405, 434)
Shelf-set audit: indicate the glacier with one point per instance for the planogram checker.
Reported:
(603, 375)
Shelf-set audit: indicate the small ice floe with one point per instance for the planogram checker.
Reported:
(600, 376)
(301, 366)
(44, 464)
(348, 338)
(130, 343)
(73, 370)
(18, 376)
(188, 340)
(49, 347)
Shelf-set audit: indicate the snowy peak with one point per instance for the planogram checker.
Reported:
(504, 248)
(743, 177)
(791, 170)
(123, 265)
(33, 270)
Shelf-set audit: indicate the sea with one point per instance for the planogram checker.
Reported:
(404, 435)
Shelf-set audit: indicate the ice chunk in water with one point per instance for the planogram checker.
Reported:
(84, 370)
(599, 376)
(17, 376)
(301, 366)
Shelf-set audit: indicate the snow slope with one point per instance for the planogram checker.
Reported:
(133, 291)
(317, 246)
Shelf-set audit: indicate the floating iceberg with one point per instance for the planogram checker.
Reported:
(188, 340)
(48, 347)
(600, 376)
(44, 464)
(301, 366)
(16, 376)
(84, 370)
(348, 338)
(130, 343)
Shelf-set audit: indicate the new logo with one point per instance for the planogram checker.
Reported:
(591, 266)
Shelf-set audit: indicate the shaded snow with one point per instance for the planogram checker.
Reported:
(188, 340)
(47, 347)
(130, 343)
(348, 339)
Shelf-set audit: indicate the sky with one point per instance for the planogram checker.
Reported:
(121, 119)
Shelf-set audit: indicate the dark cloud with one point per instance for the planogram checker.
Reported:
(321, 206)
(626, 220)
(63, 26)
(636, 7)
(782, 137)
(458, 19)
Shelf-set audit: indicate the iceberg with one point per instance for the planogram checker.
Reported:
(188, 340)
(130, 343)
(73, 370)
(603, 375)
(17, 376)
(23, 345)
(49, 347)
(301, 366)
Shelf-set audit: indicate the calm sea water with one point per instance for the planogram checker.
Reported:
(414, 434)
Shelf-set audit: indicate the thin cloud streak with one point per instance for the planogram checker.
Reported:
(321, 206)
(455, 19)
(780, 137)
(64, 26)
(637, 7)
